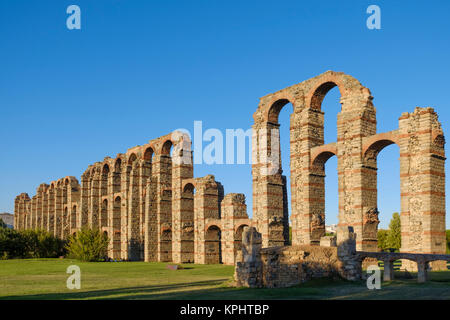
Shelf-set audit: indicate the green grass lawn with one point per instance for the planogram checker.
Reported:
(46, 279)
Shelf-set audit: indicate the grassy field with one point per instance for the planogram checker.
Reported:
(46, 279)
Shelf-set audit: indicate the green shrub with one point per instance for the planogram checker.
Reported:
(42, 244)
(29, 244)
(88, 245)
(12, 244)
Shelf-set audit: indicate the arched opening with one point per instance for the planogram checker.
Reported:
(104, 214)
(384, 186)
(104, 182)
(167, 148)
(117, 175)
(285, 158)
(213, 248)
(331, 106)
(148, 154)
(189, 190)
(238, 239)
(280, 129)
(116, 228)
(319, 188)
(132, 158)
(324, 205)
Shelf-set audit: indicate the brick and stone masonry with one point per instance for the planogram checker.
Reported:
(153, 209)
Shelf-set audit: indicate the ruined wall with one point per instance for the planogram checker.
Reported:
(286, 266)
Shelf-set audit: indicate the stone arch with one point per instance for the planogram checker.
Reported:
(239, 230)
(117, 175)
(148, 154)
(213, 246)
(166, 147)
(348, 86)
(275, 108)
(189, 187)
(118, 165)
(355, 119)
(132, 158)
(320, 155)
(373, 145)
(104, 180)
(371, 148)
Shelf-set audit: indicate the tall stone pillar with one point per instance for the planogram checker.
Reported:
(110, 210)
(83, 215)
(51, 209)
(182, 219)
(58, 211)
(355, 121)
(233, 207)
(422, 159)
(161, 192)
(94, 198)
(151, 236)
(206, 207)
(125, 185)
(268, 185)
(308, 222)
(133, 214)
(33, 213)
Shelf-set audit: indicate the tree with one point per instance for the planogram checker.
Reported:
(2, 224)
(393, 239)
(382, 237)
(88, 245)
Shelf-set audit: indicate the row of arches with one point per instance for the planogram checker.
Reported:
(149, 205)
(421, 159)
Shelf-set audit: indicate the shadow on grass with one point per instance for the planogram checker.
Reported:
(438, 288)
(124, 293)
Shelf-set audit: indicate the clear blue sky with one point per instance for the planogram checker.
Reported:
(139, 69)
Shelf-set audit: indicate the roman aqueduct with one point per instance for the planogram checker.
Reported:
(153, 209)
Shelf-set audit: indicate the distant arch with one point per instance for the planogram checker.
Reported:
(132, 157)
(213, 245)
(166, 147)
